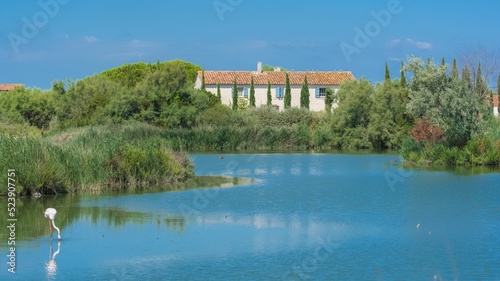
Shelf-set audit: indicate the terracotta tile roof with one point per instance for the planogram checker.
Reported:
(9, 87)
(276, 77)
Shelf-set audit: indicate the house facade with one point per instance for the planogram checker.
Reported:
(318, 82)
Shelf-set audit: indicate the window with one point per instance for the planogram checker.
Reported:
(280, 92)
(243, 92)
(320, 92)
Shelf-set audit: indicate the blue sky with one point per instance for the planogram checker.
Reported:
(78, 38)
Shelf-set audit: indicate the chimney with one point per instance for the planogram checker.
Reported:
(259, 67)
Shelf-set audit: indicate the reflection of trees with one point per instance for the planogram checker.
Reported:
(32, 224)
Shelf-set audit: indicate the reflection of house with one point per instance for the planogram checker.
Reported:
(318, 82)
(9, 87)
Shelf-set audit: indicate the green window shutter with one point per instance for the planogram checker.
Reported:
(245, 92)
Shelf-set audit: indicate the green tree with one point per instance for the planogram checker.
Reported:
(480, 86)
(351, 118)
(203, 80)
(443, 61)
(288, 93)
(218, 93)
(304, 94)
(85, 102)
(482, 93)
(454, 70)
(446, 103)
(28, 106)
(131, 74)
(388, 125)
(329, 99)
(252, 94)
(403, 76)
(428, 62)
(269, 97)
(267, 67)
(387, 77)
(235, 95)
(466, 77)
(165, 98)
(58, 87)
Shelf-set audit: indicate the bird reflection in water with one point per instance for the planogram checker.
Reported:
(51, 265)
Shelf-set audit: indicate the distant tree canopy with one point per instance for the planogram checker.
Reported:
(131, 74)
(267, 67)
(162, 94)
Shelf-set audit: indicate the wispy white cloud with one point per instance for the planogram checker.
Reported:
(135, 43)
(394, 42)
(410, 42)
(90, 39)
(419, 44)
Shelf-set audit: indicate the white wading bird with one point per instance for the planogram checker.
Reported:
(50, 213)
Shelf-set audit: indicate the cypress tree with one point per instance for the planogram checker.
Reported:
(387, 77)
(304, 94)
(288, 93)
(454, 70)
(252, 94)
(403, 76)
(203, 80)
(466, 77)
(235, 95)
(480, 85)
(428, 63)
(328, 99)
(269, 97)
(478, 74)
(443, 62)
(218, 93)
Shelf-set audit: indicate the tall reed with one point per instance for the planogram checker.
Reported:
(111, 157)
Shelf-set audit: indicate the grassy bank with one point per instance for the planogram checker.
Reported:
(91, 159)
(481, 150)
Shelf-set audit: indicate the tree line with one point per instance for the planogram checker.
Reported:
(429, 105)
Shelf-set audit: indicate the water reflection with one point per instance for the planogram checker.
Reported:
(51, 265)
(32, 224)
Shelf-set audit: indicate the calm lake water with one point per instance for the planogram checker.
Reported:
(305, 217)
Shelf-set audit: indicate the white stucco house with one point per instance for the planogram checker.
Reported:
(318, 82)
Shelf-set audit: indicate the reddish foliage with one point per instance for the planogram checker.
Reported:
(424, 131)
